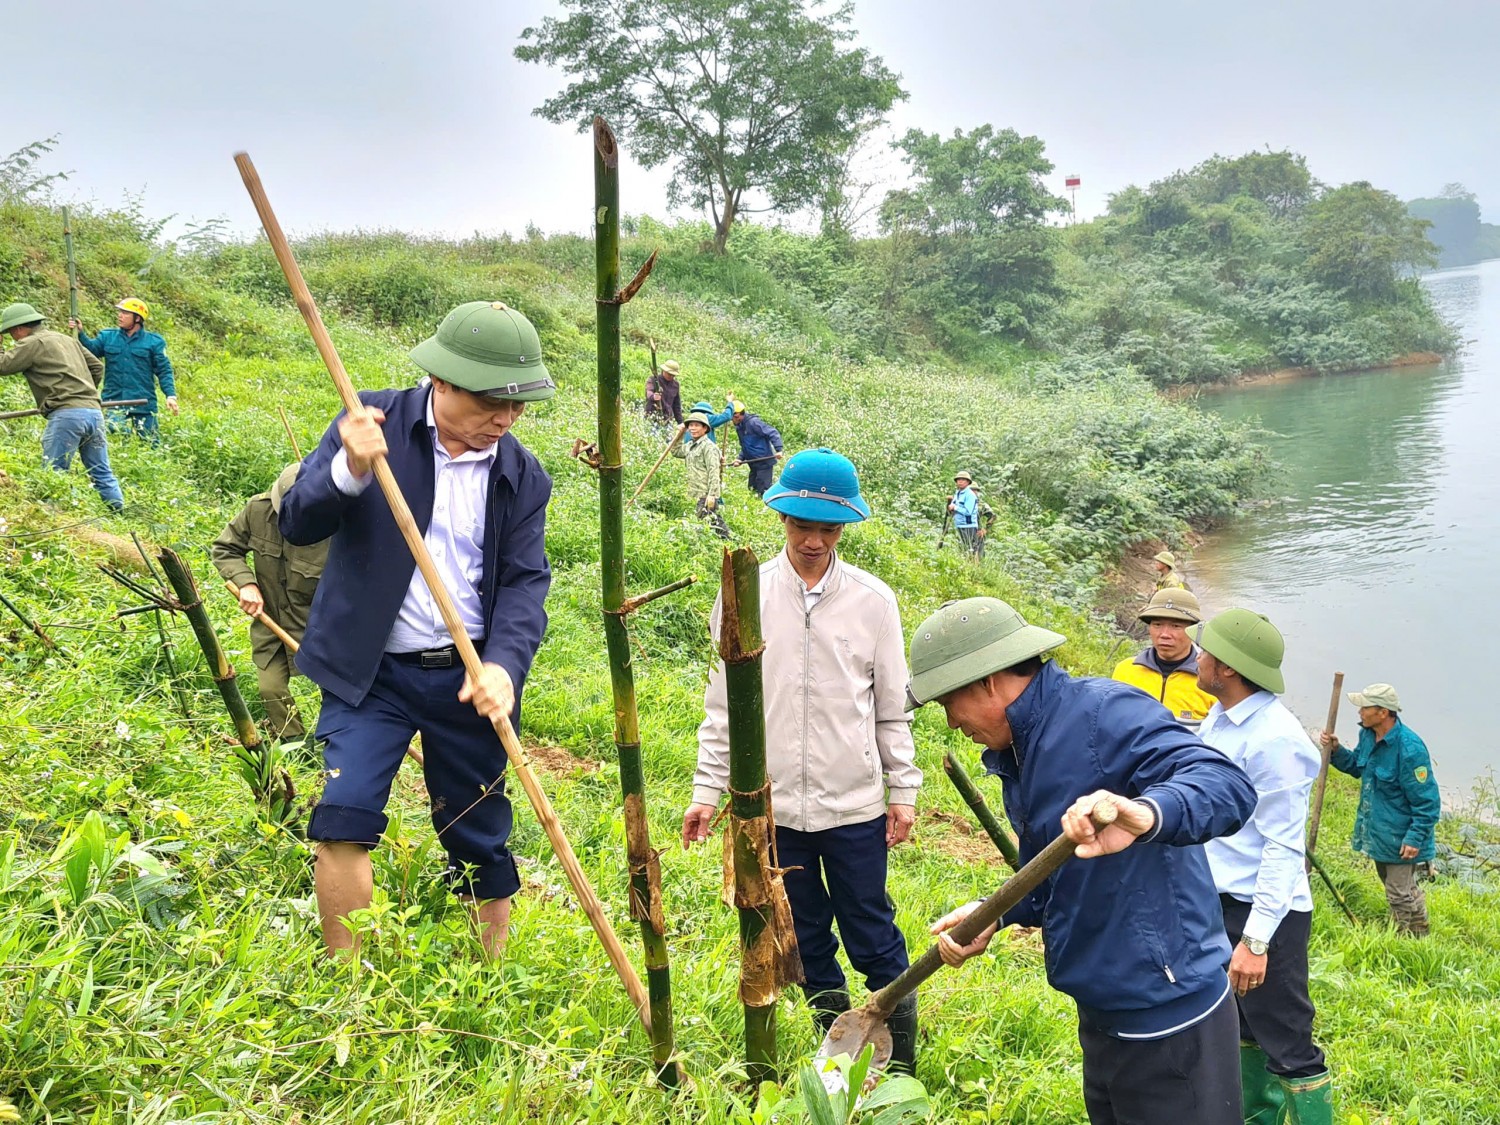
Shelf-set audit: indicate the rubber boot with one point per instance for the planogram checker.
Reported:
(903, 1025)
(1263, 1096)
(827, 1007)
(1309, 1101)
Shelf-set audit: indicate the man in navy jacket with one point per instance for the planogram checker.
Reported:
(375, 641)
(1135, 936)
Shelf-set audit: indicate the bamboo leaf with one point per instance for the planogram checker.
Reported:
(815, 1098)
(86, 993)
(341, 1046)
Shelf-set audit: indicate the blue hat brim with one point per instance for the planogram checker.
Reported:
(817, 508)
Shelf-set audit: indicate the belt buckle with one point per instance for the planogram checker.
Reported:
(437, 658)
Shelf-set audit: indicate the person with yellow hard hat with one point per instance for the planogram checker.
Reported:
(135, 361)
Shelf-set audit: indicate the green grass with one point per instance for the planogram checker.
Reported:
(179, 976)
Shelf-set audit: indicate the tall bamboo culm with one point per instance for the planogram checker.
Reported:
(260, 764)
(981, 810)
(72, 267)
(768, 944)
(645, 869)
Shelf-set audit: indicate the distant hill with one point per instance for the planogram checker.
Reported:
(1457, 231)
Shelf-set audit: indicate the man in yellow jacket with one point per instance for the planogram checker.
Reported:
(1167, 669)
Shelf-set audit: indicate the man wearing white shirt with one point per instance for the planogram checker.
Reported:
(1260, 871)
(375, 641)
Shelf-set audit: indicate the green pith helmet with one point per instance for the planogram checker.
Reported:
(18, 314)
(966, 641)
(700, 417)
(819, 486)
(963, 476)
(1172, 605)
(285, 481)
(488, 348)
(1166, 557)
(1248, 643)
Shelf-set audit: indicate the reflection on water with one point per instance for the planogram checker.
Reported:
(1375, 558)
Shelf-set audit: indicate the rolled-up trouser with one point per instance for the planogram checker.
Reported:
(464, 771)
(80, 430)
(1407, 900)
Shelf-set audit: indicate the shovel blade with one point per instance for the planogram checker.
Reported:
(852, 1032)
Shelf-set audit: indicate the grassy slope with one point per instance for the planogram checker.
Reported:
(204, 995)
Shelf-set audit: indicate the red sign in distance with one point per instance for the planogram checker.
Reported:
(1072, 181)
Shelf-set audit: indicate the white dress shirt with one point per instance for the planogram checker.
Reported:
(1263, 863)
(455, 539)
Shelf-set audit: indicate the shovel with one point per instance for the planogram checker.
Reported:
(856, 1029)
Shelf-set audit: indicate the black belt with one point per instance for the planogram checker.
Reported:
(429, 657)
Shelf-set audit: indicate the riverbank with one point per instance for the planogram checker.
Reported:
(1256, 378)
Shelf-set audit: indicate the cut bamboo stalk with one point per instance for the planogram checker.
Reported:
(981, 810)
(72, 267)
(268, 782)
(768, 944)
(291, 437)
(401, 513)
(35, 411)
(645, 866)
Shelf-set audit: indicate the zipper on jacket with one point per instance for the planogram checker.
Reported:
(1168, 970)
(806, 706)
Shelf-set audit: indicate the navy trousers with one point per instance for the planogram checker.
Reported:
(760, 476)
(465, 763)
(842, 876)
(1278, 1016)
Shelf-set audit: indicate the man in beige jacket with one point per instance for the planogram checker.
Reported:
(838, 741)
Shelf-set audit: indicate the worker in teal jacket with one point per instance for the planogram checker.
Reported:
(1399, 802)
(135, 361)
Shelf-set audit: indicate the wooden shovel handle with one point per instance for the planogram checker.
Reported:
(988, 912)
(587, 898)
(1322, 783)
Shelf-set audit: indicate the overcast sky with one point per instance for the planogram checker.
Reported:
(418, 117)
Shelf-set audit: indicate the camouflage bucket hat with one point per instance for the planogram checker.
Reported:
(967, 640)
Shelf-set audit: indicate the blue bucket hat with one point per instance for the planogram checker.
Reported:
(819, 486)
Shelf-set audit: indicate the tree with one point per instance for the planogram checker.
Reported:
(975, 216)
(739, 96)
(1454, 223)
(1280, 180)
(1359, 239)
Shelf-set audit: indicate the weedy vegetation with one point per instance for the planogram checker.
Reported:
(159, 950)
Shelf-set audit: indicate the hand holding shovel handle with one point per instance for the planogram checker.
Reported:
(521, 769)
(854, 1029)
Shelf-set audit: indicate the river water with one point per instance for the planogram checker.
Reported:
(1378, 557)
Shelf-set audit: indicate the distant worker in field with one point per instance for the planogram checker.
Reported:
(1167, 575)
(986, 516)
(664, 396)
(705, 471)
(964, 504)
(64, 381)
(135, 361)
(715, 420)
(1167, 668)
(281, 586)
(1261, 872)
(1399, 803)
(760, 446)
(376, 643)
(839, 747)
(1132, 926)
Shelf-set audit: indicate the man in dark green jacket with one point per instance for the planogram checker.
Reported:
(281, 586)
(1399, 803)
(64, 381)
(135, 360)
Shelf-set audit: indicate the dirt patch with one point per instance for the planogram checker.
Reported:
(1128, 585)
(557, 762)
(962, 839)
(1285, 374)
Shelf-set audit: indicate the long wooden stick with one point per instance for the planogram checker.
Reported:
(1322, 782)
(37, 410)
(291, 437)
(293, 647)
(72, 268)
(682, 429)
(587, 898)
(981, 810)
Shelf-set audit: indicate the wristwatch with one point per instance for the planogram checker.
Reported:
(1256, 947)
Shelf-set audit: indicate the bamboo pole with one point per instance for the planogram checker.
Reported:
(516, 756)
(32, 625)
(72, 267)
(682, 429)
(768, 944)
(645, 866)
(34, 411)
(291, 437)
(261, 766)
(982, 812)
(1317, 802)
